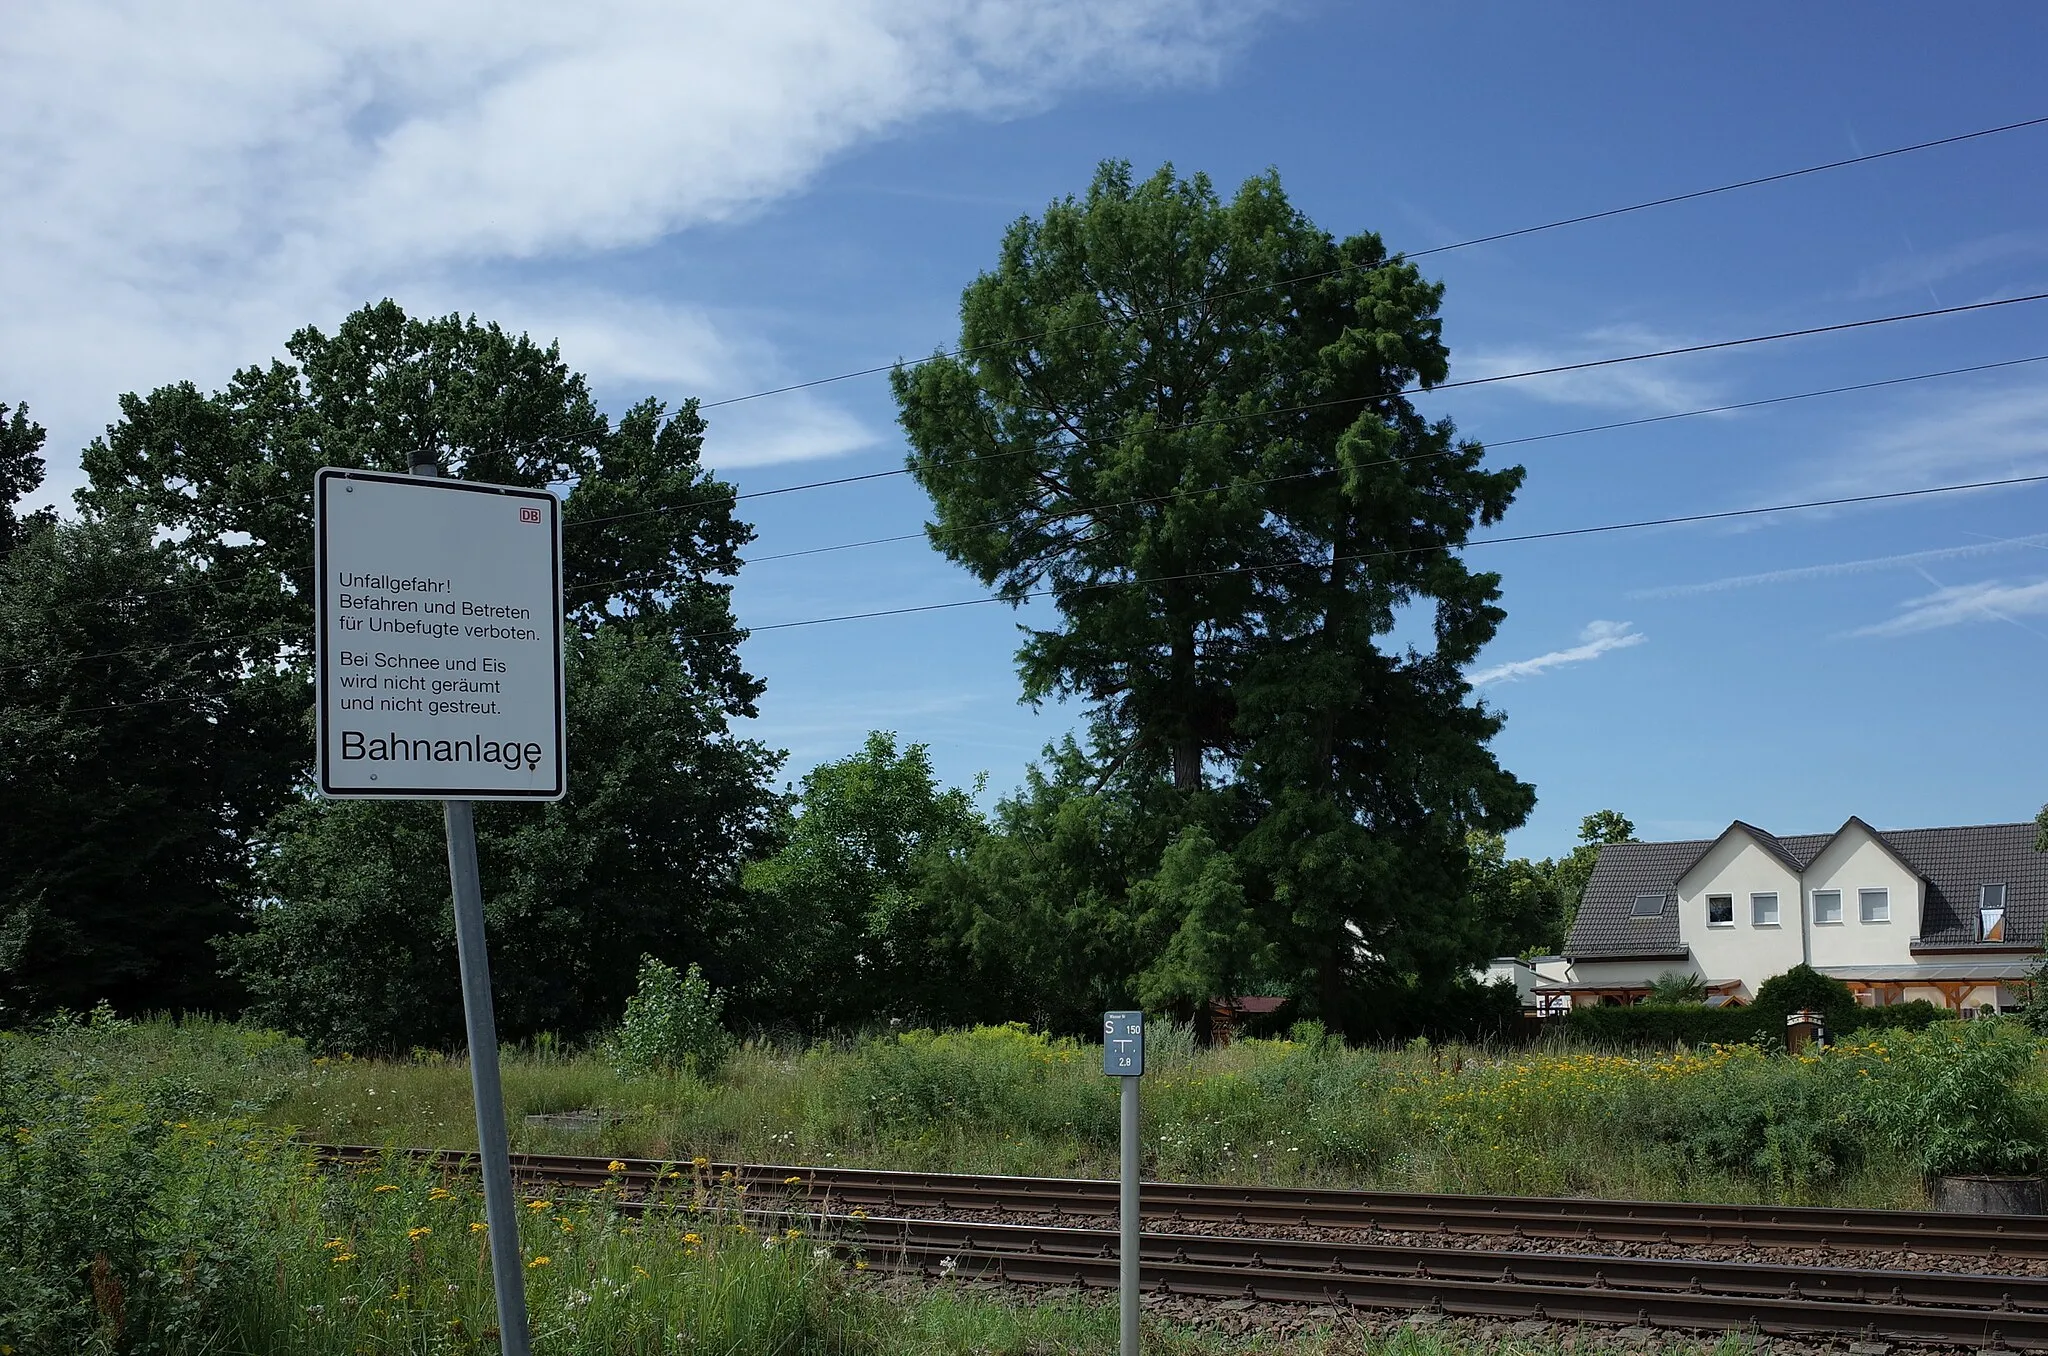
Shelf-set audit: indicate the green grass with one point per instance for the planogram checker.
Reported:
(1547, 1121)
(153, 1197)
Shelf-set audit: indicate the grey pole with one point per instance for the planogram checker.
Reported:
(1127, 1219)
(501, 1207)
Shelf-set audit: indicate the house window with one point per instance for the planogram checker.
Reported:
(1648, 906)
(1827, 906)
(1874, 906)
(1720, 911)
(1991, 913)
(1763, 910)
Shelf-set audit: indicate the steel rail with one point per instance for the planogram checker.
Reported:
(1944, 1308)
(1953, 1290)
(1563, 1218)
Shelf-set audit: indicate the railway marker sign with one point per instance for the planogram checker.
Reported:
(1123, 1057)
(438, 646)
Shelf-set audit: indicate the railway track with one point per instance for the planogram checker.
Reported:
(1792, 1298)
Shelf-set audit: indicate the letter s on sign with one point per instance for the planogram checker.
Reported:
(529, 515)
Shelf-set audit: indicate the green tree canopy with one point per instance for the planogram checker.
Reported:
(21, 474)
(1181, 420)
(123, 803)
(205, 628)
(848, 926)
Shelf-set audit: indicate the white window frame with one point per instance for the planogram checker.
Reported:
(1819, 921)
(1882, 895)
(1984, 906)
(1729, 900)
(1756, 917)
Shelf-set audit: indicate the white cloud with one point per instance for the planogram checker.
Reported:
(1599, 637)
(188, 181)
(1838, 568)
(1922, 271)
(1986, 432)
(1653, 386)
(1988, 600)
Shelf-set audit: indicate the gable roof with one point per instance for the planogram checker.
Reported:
(1768, 842)
(1952, 861)
(1890, 849)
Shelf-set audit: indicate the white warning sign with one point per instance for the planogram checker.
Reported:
(438, 638)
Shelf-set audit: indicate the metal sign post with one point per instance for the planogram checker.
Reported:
(439, 661)
(1123, 1057)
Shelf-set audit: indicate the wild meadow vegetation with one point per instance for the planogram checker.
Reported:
(157, 1193)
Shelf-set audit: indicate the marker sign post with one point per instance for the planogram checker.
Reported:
(1123, 1057)
(438, 660)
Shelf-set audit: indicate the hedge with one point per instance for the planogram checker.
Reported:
(1666, 1024)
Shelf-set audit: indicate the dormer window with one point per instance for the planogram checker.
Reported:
(1991, 913)
(1648, 906)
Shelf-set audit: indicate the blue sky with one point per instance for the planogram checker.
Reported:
(703, 201)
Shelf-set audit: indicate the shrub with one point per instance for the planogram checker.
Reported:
(1673, 987)
(1917, 1015)
(672, 1022)
(1949, 1097)
(987, 1076)
(1666, 1024)
(1803, 987)
(121, 1230)
(1769, 1118)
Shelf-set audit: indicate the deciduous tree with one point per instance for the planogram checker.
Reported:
(1182, 420)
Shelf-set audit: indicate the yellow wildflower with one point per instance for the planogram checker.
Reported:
(478, 1227)
(379, 1190)
(540, 1261)
(539, 1205)
(335, 1243)
(615, 1166)
(792, 1180)
(341, 1257)
(700, 1162)
(418, 1233)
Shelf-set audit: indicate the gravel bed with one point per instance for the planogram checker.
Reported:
(1256, 1324)
(1881, 1260)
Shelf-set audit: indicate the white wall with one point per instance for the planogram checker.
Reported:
(1737, 866)
(1852, 863)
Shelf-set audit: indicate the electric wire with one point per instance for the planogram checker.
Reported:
(1597, 529)
(1494, 238)
(892, 472)
(1552, 535)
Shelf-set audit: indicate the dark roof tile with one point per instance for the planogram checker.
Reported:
(1953, 861)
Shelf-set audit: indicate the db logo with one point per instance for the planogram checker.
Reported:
(529, 515)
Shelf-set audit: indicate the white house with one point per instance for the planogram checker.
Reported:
(1952, 915)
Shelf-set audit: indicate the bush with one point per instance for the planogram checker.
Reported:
(1803, 987)
(672, 1022)
(987, 1076)
(1917, 1015)
(1770, 1119)
(1667, 1024)
(1949, 1097)
(122, 1230)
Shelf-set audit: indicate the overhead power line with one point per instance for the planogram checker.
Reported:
(1719, 344)
(1595, 530)
(958, 603)
(1493, 446)
(1557, 369)
(1178, 494)
(1490, 239)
